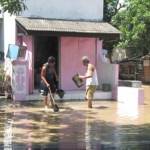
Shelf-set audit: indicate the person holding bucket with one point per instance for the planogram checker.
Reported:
(91, 80)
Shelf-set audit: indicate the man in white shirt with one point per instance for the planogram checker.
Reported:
(91, 80)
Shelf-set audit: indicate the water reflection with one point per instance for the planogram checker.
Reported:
(125, 109)
(28, 127)
(100, 135)
(8, 134)
(87, 134)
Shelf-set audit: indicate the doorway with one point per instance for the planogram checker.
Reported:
(45, 46)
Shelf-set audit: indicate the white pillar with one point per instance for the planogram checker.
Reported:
(9, 38)
(9, 31)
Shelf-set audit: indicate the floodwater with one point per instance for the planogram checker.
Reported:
(108, 126)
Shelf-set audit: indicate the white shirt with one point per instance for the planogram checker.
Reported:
(93, 80)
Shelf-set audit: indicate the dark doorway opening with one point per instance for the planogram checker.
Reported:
(45, 46)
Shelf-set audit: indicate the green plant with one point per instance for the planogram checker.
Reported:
(134, 23)
(2, 72)
(13, 6)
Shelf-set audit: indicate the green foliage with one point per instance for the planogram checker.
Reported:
(13, 6)
(111, 8)
(2, 73)
(134, 23)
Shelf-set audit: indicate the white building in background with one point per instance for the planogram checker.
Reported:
(1, 31)
(65, 9)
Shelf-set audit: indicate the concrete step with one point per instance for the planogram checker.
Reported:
(130, 83)
(72, 95)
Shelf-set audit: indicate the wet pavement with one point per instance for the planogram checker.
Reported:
(108, 126)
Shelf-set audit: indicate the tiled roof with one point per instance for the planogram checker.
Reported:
(32, 24)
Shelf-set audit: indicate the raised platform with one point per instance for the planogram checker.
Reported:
(130, 83)
(73, 95)
(130, 95)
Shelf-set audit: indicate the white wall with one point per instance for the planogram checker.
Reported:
(65, 9)
(9, 31)
(107, 73)
(1, 36)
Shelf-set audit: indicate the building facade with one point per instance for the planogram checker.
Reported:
(66, 30)
(1, 31)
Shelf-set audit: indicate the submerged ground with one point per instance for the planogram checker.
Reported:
(108, 126)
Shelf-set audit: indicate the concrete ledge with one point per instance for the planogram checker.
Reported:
(81, 95)
(73, 95)
(130, 83)
(130, 95)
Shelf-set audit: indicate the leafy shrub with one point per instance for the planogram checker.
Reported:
(2, 72)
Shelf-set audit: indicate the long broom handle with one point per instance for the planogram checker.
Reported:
(52, 98)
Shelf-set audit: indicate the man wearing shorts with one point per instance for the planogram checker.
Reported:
(91, 80)
(49, 78)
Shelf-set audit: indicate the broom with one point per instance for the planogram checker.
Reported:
(52, 100)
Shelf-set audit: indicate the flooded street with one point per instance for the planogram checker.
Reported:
(108, 126)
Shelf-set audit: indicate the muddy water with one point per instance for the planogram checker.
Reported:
(108, 126)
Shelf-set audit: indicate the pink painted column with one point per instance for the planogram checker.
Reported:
(20, 82)
(28, 42)
(71, 52)
(19, 40)
(115, 85)
(98, 60)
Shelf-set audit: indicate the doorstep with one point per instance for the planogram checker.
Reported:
(72, 95)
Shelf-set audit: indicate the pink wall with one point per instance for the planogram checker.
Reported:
(20, 74)
(72, 49)
(19, 40)
(98, 52)
(28, 42)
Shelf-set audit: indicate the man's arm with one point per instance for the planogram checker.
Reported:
(56, 76)
(89, 72)
(43, 74)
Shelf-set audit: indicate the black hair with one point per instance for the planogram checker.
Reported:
(51, 59)
(86, 61)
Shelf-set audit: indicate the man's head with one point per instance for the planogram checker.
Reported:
(51, 61)
(85, 60)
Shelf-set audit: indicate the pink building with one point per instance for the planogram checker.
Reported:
(66, 30)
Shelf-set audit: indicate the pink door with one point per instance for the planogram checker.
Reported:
(72, 49)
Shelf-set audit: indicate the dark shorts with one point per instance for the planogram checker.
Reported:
(44, 89)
